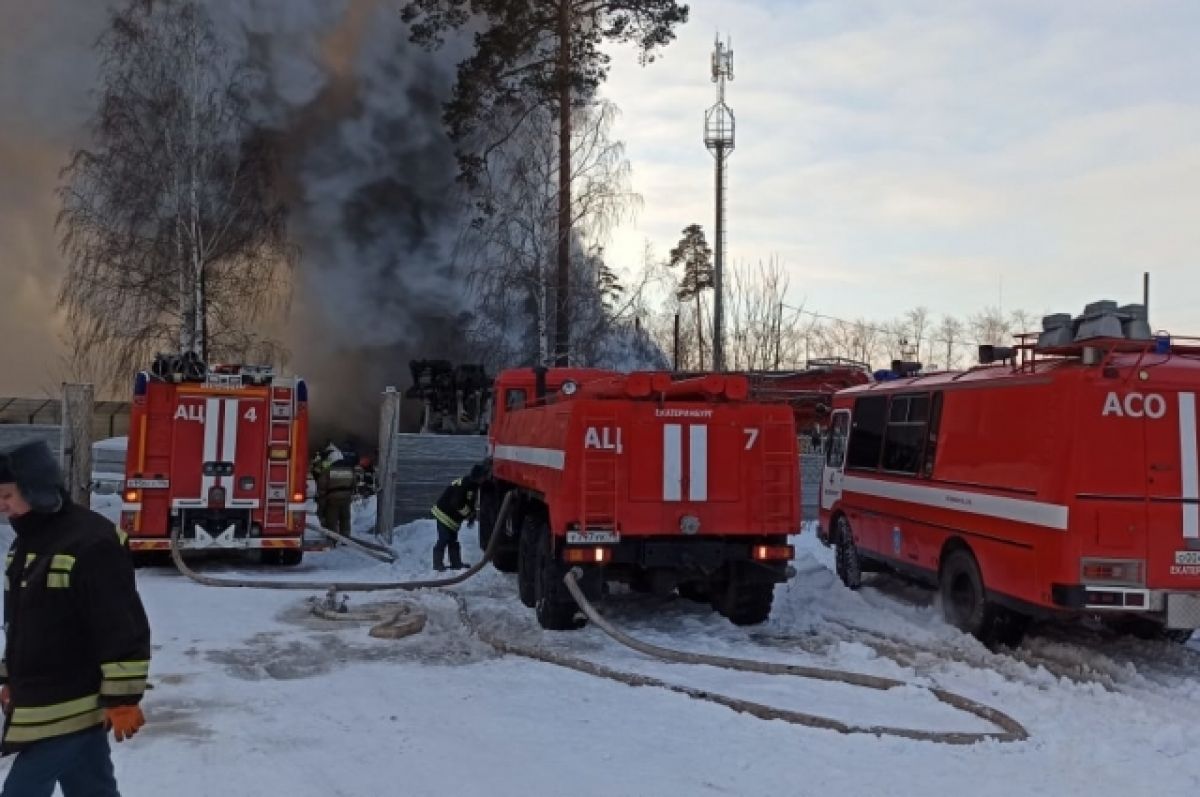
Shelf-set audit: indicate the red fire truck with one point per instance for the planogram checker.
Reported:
(219, 453)
(1060, 481)
(636, 478)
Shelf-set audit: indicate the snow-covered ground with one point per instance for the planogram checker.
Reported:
(254, 696)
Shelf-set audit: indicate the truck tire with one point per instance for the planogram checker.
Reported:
(290, 557)
(287, 557)
(695, 591)
(553, 605)
(533, 530)
(965, 604)
(745, 602)
(504, 558)
(845, 552)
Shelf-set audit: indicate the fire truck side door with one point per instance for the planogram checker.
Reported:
(835, 459)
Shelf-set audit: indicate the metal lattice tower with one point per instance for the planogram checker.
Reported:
(718, 138)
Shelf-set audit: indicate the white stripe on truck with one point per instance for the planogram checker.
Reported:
(698, 457)
(1190, 488)
(672, 462)
(528, 455)
(1035, 513)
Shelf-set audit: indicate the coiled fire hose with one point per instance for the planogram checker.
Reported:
(405, 621)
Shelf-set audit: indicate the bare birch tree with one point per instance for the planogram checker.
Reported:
(949, 333)
(513, 244)
(171, 224)
(765, 333)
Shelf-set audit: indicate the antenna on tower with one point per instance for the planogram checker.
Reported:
(718, 138)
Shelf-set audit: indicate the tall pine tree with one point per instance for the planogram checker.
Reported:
(695, 256)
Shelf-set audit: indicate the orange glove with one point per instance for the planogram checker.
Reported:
(124, 721)
(5, 698)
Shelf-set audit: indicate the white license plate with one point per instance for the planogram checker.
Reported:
(148, 483)
(592, 537)
(1187, 557)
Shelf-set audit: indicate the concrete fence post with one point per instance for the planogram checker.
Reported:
(76, 453)
(389, 427)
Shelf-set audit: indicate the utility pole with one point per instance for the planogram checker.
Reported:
(718, 138)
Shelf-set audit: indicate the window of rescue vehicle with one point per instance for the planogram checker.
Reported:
(839, 433)
(897, 435)
(514, 398)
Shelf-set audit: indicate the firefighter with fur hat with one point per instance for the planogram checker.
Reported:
(77, 650)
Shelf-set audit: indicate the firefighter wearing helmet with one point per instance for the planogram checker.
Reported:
(334, 475)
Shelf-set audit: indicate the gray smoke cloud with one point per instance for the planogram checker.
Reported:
(376, 211)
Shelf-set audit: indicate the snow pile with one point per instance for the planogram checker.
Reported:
(254, 696)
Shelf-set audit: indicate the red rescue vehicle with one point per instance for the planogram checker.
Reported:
(219, 453)
(636, 478)
(1060, 482)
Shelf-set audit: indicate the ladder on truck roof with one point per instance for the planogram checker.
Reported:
(279, 470)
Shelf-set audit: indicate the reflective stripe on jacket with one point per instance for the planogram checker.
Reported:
(78, 640)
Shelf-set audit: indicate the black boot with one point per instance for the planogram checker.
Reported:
(456, 562)
(439, 552)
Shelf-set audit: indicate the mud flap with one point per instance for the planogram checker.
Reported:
(225, 539)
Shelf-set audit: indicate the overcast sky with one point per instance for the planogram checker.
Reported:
(905, 152)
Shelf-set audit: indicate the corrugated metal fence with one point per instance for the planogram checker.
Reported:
(14, 434)
(424, 464)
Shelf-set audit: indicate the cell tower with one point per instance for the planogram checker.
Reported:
(718, 138)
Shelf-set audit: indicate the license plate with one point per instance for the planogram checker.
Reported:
(592, 537)
(1187, 557)
(148, 483)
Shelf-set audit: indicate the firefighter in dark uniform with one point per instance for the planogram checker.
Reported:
(456, 505)
(364, 478)
(77, 652)
(335, 491)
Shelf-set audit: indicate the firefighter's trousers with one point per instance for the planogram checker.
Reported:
(447, 541)
(336, 514)
(79, 762)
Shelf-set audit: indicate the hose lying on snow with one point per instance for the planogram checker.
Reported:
(371, 549)
(1011, 730)
(343, 586)
(403, 621)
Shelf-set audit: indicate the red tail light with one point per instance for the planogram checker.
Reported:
(773, 553)
(584, 556)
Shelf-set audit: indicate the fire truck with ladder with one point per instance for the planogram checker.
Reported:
(664, 484)
(219, 453)
(1057, 478)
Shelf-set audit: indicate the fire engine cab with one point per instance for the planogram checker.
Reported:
(220, 454)
(1060, 477)
(662, 484)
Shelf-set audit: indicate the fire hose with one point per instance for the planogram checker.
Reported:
(406, 620)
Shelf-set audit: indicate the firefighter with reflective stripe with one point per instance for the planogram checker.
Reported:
(77, 651)
(456, 505)
(335, 479)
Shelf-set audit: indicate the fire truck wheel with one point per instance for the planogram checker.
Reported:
(745, 602)
(849, 563)
(554, 606)
(287, 557)
(532, 530)
(504, 558)
(966, 607)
